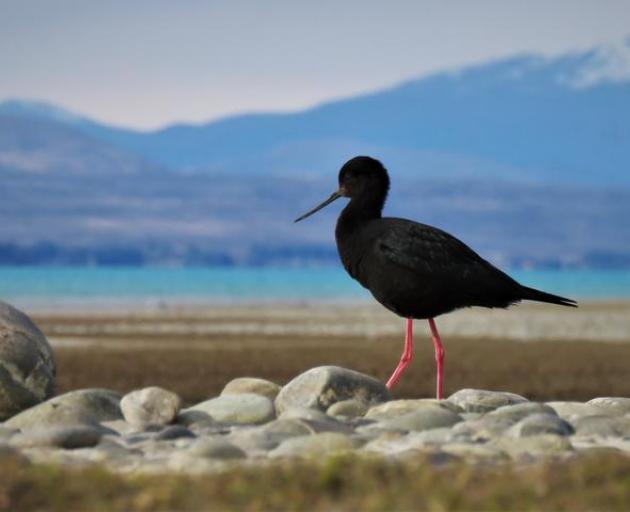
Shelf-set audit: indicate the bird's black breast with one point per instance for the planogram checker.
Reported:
(420, 271)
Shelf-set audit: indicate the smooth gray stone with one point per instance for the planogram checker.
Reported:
(570, 410)
(121, 427)
(321, 387)
(242, 409)
(68, 438)
(612, 404)
(348, 408)
(110, 449)
(544, 445)
(315, 445)
(517, 412)
(480, 400)
(173, 432)
(267, 437)
(394, 443)
(472, 416)
(475, 451)
(316, 420)
(195, 419)
(6, 433)
(498, 421)
(484, 428)
(602, 426)
(210, 428)
(138, 438)
(252, 385)
(215, 448)
(27, 365)
(304, 413)
(287, 427)
(395, 408)
(82, 407)
(150, 406)
(541, 423)
(425, 418)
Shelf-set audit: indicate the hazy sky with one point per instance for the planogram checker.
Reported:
(144, 63)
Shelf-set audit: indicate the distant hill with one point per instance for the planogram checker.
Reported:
(201, 218)
(522, 118)
(526, 159)
(38, 145)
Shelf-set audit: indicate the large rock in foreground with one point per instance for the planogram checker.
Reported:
(27, 366)
(321, 387)
(82, 407)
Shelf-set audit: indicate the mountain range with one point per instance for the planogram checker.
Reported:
(527, 159)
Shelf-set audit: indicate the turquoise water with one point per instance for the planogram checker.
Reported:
(251, 284)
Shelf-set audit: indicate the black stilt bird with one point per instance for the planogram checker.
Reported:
(415, 270)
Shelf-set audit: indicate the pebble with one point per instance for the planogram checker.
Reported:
(541, 423)
(27, 365)
(395, 408)
(321, 387)
(121, 427)
(348, 408)
(68, 438)
(570, 410)
(82, 407)
(540, 446)
(475, 451)
(6, 433)
(317, 421)
(173, 432)
(479, 400)
(482, 427)
(395, 443)
(612, 405)
(215, 448)
(602, 426)
(424, 418)
(150, 406)
(242, 409)
(252, 385)
(517, 412)
(315, 445)
(267, 437)
(324, 411)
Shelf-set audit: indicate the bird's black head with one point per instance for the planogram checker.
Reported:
(363, 179)
(363, 175)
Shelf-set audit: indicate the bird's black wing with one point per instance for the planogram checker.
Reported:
(446, 269)
(439, 269)
(424, 249)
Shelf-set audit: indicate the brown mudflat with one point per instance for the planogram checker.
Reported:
(196, 351)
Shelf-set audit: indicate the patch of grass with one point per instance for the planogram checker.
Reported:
(599, 482)
(538, 370)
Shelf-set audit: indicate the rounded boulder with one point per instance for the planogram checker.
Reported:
(321, 387)
(27, 364)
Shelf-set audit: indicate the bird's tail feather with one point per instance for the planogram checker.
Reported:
(539, 296)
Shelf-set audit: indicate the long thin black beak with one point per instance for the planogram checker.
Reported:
(334, 195)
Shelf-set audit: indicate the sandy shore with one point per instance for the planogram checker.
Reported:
(69, 324)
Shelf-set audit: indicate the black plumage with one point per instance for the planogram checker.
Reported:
(415, 270)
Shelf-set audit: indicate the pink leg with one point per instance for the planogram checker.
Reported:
(439, 356)
(406, 357)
